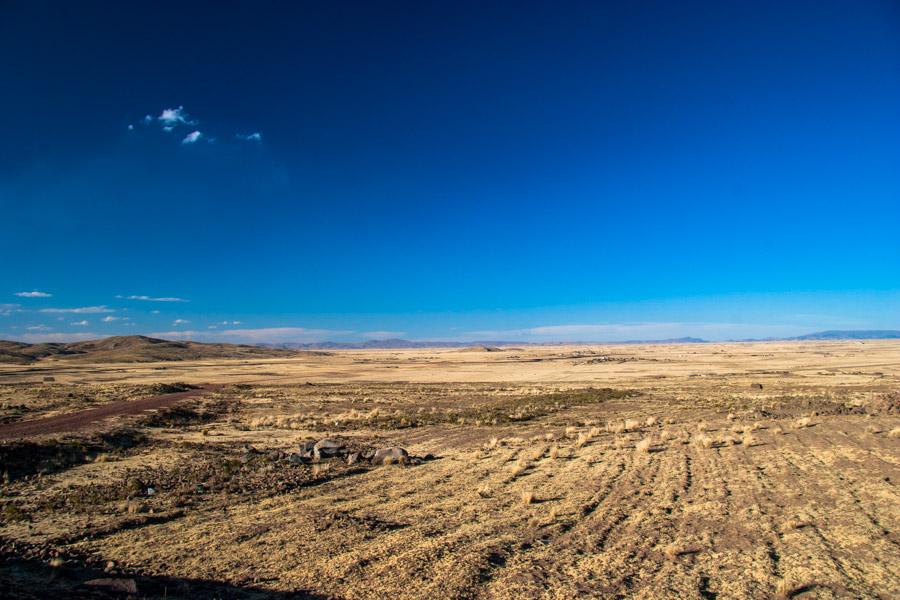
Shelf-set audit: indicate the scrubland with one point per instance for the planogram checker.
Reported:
(684, 471)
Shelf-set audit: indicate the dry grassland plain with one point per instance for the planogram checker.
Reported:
(745, 470)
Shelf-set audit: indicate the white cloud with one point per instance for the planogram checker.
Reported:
(130, 127)
(81, 323)
(8, 309)
(192, 137)
(180, 322)
(147, 120)
(252, 137)
(155, 312)
(110, 319)
(231, 322)
(152, 299)
(33, 294)
(84, 310)
(39, 328)
(172, 117)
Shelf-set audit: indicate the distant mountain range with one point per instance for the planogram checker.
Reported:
(139, 348)
(867, 334)
(480, 344)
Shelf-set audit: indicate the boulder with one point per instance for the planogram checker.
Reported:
(353, 458)
(387, 456)
(298, 459)
(119, 586)
(327, 448)
(306, 448)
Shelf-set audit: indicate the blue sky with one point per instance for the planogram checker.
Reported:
(599, 171)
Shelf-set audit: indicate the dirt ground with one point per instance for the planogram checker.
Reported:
(752, 470)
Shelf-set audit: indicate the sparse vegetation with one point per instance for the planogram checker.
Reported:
(526, 494)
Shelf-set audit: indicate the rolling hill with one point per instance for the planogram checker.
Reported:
(132, 348)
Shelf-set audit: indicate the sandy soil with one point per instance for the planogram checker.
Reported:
(705, 471)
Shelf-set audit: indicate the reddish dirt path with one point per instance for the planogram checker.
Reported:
(77, 421)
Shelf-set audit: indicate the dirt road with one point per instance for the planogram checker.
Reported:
(83, 419)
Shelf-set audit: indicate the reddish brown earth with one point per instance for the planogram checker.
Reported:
(84, 419)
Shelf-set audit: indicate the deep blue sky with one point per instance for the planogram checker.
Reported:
(595, 171)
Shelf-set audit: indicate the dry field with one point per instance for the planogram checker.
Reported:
(758, 470)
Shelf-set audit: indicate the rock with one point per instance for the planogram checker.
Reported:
(756, 386)
(353, 458)
(306, 448)
(327, 448)
(298, 459)
(121, 586)
(387, 456)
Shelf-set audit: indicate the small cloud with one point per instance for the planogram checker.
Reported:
(152, 299)
(39, 328)
(110, 319)
(172, 117)
(84, 310)
(33, 294)
(8, 309)
(231, 322)
(147, 120)
(131, 128)
(155, 312)
(180, 322)
(211, 326)
(81, 323)
(192, 137)
(251, 137)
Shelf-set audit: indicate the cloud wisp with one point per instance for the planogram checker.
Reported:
(172, 118)
(82, 323)
(34, 294)
(180, 322)
(192, 138)
(83, 310)
(8, 309)
(153, 299)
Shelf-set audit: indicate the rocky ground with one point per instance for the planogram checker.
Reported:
(685, 487)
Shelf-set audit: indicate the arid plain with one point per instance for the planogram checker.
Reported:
(740, 470)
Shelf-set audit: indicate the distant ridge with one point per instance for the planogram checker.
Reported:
(130, 348)
(861, 334)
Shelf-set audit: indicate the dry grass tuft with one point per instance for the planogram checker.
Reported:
(702, 426)
(801, 423)
(748, 440)
(894, 433)
(645, 445)
(703, 441)
(632, 425)
(528, 497)
(554, 452)
(651, 421)
(672, 551)
(731, 416)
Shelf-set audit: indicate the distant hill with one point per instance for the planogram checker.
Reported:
(863, 334)
(131, 348)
